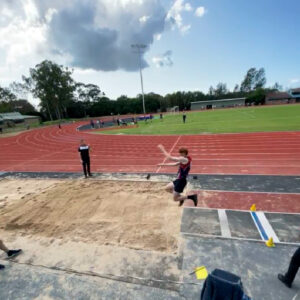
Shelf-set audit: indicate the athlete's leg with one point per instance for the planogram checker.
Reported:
(169, 187)
(2, 247)
(181, 198)
(10, 253)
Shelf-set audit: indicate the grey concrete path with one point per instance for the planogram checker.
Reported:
(255, 263)
(22, 282)
(246, 183)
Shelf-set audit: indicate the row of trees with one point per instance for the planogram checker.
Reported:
(62, 97)
(9, 102)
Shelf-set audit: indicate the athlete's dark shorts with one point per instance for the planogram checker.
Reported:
(179, 185)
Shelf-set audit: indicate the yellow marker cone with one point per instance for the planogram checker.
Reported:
(201, 273)
(270, 243)
(253, 207)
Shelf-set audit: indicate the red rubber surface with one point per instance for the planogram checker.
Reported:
(272, 202)
(50, 149)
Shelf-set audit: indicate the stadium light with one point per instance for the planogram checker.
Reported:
(140, 48)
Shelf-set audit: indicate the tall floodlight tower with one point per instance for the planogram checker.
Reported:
(139, 49)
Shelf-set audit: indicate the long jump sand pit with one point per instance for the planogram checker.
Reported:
(135, 215)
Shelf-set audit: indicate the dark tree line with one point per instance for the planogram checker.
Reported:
(62, 97)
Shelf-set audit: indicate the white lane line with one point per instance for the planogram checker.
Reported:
(225, 230)
(267, 226)
(202, 235)
(158, 169)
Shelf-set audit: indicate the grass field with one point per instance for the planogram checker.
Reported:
(252, 119)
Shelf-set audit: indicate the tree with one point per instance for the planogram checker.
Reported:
(211, 91)
(254, 79)
(53, 85)
(220, 90)
(6, 98)
(276, 87)
(22, 106)
(19, 89)
(6, 95)
(236, 88)
(260, 79)
(87, 92)
(247, 83)
(152, 102)
(257, 97)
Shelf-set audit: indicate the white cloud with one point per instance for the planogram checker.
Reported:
(188, 7)
(22, 37)
(158, 37)
(144, 19)
(175, 15)
(164, 60)
(295, 80)
(185, 29)
(87, 34)
(200, 11)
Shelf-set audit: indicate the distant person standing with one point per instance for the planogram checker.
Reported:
(161, 116)
(92, 124)
(183, 116)
(290, 275)
(84, 150)
(59, 126)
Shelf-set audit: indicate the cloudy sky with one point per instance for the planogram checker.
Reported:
(191, 44)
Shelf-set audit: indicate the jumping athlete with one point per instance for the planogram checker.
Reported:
(85, 158)
(177, 186)
(10, 253)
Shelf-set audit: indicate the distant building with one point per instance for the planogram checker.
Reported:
(236, 102)
(17, 118)
(279, 98)
(295, 93)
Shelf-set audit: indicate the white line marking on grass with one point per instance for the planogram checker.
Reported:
(225, 230)
(158, 169)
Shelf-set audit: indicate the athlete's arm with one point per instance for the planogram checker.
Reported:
(169, 164)
(174, 158)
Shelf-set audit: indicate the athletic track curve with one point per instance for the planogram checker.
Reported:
(53, 150)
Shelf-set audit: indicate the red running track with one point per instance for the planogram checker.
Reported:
(53, 150)
(271, 202)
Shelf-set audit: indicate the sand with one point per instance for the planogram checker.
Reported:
(134, 215)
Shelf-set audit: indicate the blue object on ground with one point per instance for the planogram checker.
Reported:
(222, 285)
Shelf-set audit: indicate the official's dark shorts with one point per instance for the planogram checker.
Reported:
(85, 161)
(179, 185)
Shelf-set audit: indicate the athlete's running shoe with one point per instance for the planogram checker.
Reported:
(13, 253)
(194, 198)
